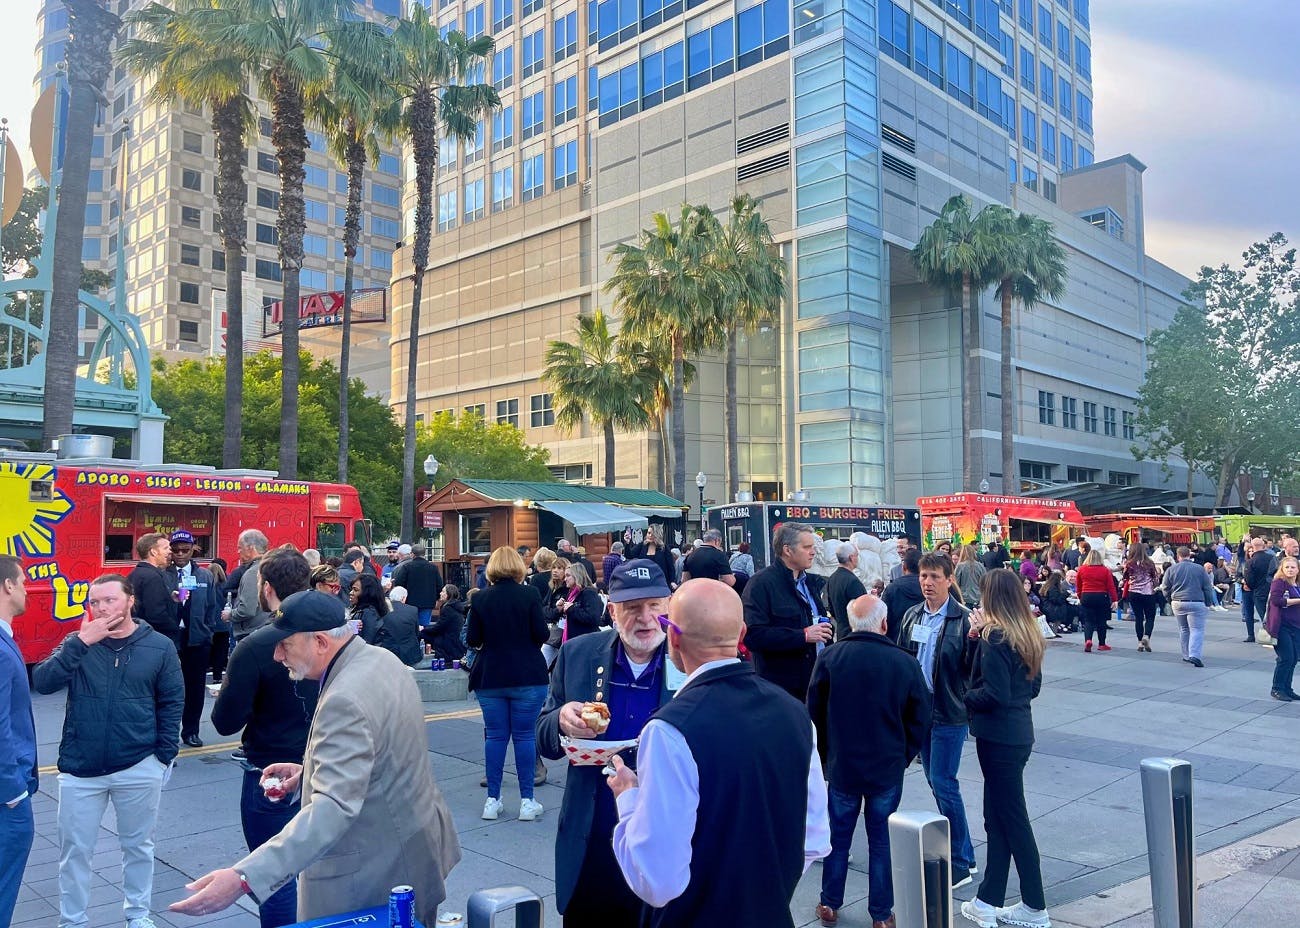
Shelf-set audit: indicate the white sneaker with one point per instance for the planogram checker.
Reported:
(1021, 914)
(529, 809)
(492, 809)
(981, 913)
(144, 921)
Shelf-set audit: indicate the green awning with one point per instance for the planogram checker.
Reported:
(587, 518)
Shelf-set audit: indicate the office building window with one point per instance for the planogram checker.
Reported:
(1028, 129)
(566, 100)
(1047, 83)
(566, 164)
(534, 176)
(474, 144)
(534, 114)
(267, 162)
(191, 180)
(1027, 69)
(267, 270)
(1130, 426)
(1090, 417)
(315, 210)
(266, 234)
(503, 128)
(540, 412)
(1083, 112)
(895, 27)
(534, 46)
(1045, 27)
(473, 199)
(1063, 42)
(503, 188)
(1065, 98)
(530, 7)
(192, 141)
(1007, 45)
(1082, 57)
(340, 182)
(385, 228)
(1026, 14)
(316, 176)
(192, 217)
(190, 255)
(477, 409)
(1108, 420)
(1067, 153)
(1029, 177)
(1046, 407)
(928, 48)
(447, 210)
(503, 14)
(565, 32)
(381, 259)
(1034, 474)
(503, 67)
(1081, 11)
(1119, 478)
(1049, 143)
(314, 245)
(448, 147)
(1069, 412)
(90, 249)
(1085, 156)
(960, 78)
(474, 21)
(1082, 474)
(508, 412)
(218, 259)
(268, 198)
(189, 330)
(388, 164)
(384, 195)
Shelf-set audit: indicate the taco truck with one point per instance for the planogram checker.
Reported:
(70, 521)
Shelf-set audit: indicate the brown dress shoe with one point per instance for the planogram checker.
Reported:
(887, 923)
(828, 915)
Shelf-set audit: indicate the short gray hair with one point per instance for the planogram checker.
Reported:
(787, 535)
(252, 538)
(397, 594)
(312, 557)
(341, 631)
(872, 621)
(846, 552)
(617, 547)
(712, 536)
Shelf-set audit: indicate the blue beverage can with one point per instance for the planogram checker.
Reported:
(401, 907)
(442, 664)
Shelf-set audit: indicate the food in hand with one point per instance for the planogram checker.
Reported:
(596, 716)
(274, 789)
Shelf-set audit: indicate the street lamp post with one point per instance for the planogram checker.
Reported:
(701, 479)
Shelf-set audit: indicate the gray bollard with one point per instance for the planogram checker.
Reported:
(1171, 850)
(920, 858)
(486, 904)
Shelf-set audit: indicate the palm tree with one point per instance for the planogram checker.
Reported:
(429, 73)
(285, 42)
(958, 250)
(181, 49)
(652, 359)
(589, 377)
(664, 290)
(92, 29)
(752, 285)
(357, 109)
(1030, 270)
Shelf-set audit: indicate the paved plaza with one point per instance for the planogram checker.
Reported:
(1097, 717)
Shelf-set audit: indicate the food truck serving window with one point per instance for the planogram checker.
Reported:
(127, 520)
(329, 539)
(476, 534)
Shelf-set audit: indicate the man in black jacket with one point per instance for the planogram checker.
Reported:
(275, 714)
(423, 582)
(785, 624)
(1256, 581)
(842, 587)
(903, 593)
(157, 597)
(937, 631)
(871, 708)
(125, 696)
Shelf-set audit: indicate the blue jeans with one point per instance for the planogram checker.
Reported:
(263, 820)
(844, 808)
(941, 758)
(510, 714)
(426, 616)
(1287, 650)
(16, 833)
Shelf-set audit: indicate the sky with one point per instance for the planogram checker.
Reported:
(1202, 92)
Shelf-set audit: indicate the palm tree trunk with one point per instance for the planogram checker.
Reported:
(732, 449)
(970, 388)
(93, 29)
(356, 159)
(422, 127)
(608, 428)
(232, 195)
(1008, 398)
(289, 135)
(679, 417)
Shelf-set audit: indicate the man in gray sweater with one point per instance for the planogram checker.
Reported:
(1187, 586)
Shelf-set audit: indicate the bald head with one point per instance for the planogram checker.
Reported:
(711, 620)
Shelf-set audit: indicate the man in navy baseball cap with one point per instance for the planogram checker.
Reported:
(638, 579)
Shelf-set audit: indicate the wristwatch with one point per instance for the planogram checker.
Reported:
(243, 884)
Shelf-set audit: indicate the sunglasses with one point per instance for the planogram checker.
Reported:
(666, 623)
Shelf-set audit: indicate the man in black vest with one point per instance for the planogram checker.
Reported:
(626, 668)
(733, 809)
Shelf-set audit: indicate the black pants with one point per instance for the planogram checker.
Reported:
(601, 898)
(1006, 825)
(1261, 610)
(1144, 614)
(1094, 610)
(220, 655)
(194, 673)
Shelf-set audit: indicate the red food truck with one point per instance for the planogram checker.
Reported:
(1023, 522)
(71, 521)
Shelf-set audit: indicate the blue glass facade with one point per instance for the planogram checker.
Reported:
(842, 300)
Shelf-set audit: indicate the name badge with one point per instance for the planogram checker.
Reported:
(921, 634)
(673, 678)
(188, 582)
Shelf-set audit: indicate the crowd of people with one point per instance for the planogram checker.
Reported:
(723, 684)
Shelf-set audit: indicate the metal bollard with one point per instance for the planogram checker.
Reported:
(1171, 851)
(485, 905)
(920, 857)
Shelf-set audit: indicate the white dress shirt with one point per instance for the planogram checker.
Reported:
(656, 818)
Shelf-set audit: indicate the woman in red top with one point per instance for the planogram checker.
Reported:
(1097, 597)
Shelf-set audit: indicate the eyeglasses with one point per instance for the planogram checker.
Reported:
(666, 623)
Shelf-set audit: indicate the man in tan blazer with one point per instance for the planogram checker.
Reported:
(372, 817)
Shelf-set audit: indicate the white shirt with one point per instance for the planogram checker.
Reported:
(9, 629)
(656, 818)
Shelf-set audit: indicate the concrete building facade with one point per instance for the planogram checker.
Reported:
(852, 124)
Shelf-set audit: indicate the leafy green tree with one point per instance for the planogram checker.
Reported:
(589, 377)
(92, 29)
(958, 251)
(651, 360)
(183, 50)
(1030, 267)
(466, 447)
(752, 282)
(22, 236)
(435, 77)
(662, 286)
(1221, 377)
